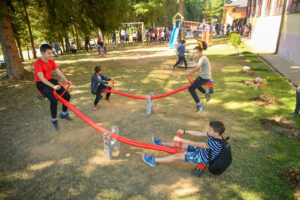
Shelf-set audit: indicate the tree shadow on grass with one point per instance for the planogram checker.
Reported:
(39, 163)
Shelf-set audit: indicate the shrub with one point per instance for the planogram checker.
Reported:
(235, 39)
(276, 78)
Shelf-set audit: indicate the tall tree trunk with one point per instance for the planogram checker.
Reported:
(67, 44)
(14, 67)
(29, 29)
(76, 34)
(62, 44)
(28, 52)
(20, 48)
(181, 12)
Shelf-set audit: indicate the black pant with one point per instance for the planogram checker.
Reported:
(48, 93)
(181, 58)
(98, 94)
(297, 108)
(197, 84)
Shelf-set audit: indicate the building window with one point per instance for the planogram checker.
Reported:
(259, 4)
(278, 7)
(294, 6)
(268, 8)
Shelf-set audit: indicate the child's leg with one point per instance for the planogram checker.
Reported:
(171, 144)
(108, 94)
(170, 158)
(98, 96)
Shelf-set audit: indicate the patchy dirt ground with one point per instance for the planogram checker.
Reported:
(265, 100)
(282, 126)
(255, 85)
(40, 163)
(292, 177)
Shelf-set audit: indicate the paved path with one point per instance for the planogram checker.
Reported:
(283, 66)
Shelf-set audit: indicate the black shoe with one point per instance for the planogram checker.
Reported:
(67, 117)
(293, 116)
(55, 125)
(207, 97)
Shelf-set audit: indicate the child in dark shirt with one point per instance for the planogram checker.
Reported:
(98, 83)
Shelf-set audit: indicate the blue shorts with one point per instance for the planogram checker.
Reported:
(192, 155)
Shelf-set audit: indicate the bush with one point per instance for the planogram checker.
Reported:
(276, 78)
(235, 39)
(228, 34)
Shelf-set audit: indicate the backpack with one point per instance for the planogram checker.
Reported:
(223, 161)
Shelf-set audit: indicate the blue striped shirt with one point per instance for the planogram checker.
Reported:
(215, 147)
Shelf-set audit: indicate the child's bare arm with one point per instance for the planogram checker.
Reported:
(190, 142)
(194, 133)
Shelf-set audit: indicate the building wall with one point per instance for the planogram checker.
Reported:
(265, 32)
(239, 13)
(289, 46)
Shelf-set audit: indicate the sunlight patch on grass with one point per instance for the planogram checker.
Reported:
(8, 193)
(67, 160)
(74, 192)
(3, 108)
(41, 165)
(18, 175)
(178, 188)
(246, 106)
(100, 159)
(109, 194)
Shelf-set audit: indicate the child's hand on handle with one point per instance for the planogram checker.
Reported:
(177, 139)
(181, 131)
(187, 72)
(56, 87)
(69, 82)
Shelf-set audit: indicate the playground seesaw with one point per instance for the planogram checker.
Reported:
(150, 98)
(199, 168)
(103, 130)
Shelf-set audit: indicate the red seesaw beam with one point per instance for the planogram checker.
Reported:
(102, 130)
(144, 97)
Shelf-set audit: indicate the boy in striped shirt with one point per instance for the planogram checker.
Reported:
(196, 152)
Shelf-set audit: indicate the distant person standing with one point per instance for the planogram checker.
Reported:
(87, 44)
(297, 108)
(181, 57)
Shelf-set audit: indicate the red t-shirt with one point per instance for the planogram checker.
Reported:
(45, 67)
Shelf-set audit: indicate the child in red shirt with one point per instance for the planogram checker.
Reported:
(45, 83)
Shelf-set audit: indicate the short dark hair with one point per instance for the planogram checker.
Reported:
(97, 69)
(45, 47)
(198, 48)
(218, 126)
(183, 41)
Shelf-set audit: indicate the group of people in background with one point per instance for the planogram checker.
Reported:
(157, 34)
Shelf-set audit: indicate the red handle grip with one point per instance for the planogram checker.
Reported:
(189, 76)
(175, 143)
(113, 83)
(66, 83)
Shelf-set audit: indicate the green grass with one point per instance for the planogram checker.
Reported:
(39, 163)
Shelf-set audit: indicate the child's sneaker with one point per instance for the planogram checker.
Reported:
(55, 125)
(95, 108)
(156, 141)
(108, 100)
(207, 97)
(200, 108)
(67, 117)
(149, 160)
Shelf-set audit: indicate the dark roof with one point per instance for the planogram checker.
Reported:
(238, 3)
